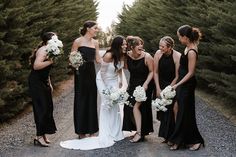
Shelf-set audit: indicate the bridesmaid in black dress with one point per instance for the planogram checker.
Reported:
(140, 66)
(40, 89)
(85, 98)
(166, 64)
(186, 130)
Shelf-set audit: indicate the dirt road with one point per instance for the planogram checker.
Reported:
(17, 135)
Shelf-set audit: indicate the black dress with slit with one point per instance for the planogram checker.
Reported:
(138, 75)
(166, 73)
(85, 98)
(186, 130)
(40, 93)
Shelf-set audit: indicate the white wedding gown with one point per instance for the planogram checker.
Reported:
(110, 123)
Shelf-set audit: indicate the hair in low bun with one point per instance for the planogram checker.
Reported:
(87, 24)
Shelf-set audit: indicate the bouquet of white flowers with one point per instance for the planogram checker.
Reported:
(54, 47)
(76, 59)
(115, 97)
(159, 105)
(166, 95)
(139, 94)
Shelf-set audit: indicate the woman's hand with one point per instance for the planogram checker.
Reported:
(174, 86)
(73, 52)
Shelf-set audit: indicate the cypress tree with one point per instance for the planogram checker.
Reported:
(22, 23)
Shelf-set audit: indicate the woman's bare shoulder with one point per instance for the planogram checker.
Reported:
(107, 57)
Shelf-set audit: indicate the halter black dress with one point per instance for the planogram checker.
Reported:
(40, 92)
(85, 98)
(138, 74)
(166, 70)
(186, 131)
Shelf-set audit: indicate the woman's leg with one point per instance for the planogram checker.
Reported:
(137, 118)
(175, 109)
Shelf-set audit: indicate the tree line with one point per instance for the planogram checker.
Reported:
(153, 19)
(21, 24)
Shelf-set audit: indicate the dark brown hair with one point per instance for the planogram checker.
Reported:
(192, 33)
(44, 37)
(133, 41)
(87, 24)
(116, 49)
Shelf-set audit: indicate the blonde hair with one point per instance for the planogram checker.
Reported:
(169, 41)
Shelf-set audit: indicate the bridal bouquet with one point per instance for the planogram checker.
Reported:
(115, 97)
(54, 47)
(166, 99)
(76, 59)
(139, 94)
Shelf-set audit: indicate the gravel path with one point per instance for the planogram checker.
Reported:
(17, 135)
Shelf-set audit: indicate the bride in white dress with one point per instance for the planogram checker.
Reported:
(110, 123)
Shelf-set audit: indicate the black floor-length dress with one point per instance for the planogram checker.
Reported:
(186, 130)
(85, 98)
(40, 92)
(166, 75)
(138, 75)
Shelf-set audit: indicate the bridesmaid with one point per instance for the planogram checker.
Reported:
(40, 89)
(186, 130)
(166, 64)
(85, 98)
(138, 116)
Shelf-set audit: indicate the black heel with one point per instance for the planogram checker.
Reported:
(174, 147)
(37, 142)
(197, 148)
(140, 138)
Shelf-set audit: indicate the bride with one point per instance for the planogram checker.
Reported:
(110, 124)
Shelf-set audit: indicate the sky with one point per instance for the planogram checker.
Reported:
(108, 11)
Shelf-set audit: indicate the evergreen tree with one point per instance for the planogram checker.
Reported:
(22, 23)
(153, 19)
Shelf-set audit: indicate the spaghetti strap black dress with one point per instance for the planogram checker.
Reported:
(186, 130)
(85, 98)
(138, 75)
(40, 93)
(166, 71)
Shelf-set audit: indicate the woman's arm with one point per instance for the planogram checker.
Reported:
(40, 60)
(176, 57)
(125, 59)
(192, 59)
(50, 83)
(98, 57)
(149, 63)
(156, 71)
(75, 45)
(107, 58)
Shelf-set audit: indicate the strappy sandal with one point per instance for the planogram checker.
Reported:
(81, 136)
(46, 139)
(138, 139)
(42, 143)
(174, 147)
(196, 146)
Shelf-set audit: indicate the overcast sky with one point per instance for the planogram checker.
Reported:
(109, 10)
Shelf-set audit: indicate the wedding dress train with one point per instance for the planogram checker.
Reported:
(110, 122)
